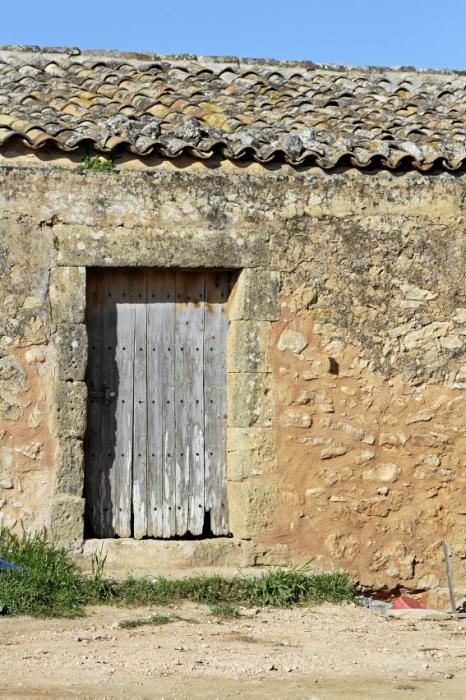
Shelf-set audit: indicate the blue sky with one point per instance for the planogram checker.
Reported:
(424, 33)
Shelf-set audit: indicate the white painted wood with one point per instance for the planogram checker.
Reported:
(123, 286)
(140, 410)
(215, 399)
(161, 508)
(189, 408)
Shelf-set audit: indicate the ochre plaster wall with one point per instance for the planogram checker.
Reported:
(347, 369)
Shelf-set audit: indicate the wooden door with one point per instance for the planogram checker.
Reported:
(156, 437)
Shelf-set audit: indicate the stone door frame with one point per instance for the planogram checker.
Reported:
(253, 306)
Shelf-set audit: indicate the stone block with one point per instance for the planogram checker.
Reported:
(256, 296)
(251, 452)
(71, 409)
(12, 376)
(67, 521)
(250, 400)
(71, 347)
(252, 504)
(382, 472)
(292, 340)
(70, 467)
(249, 346)
(68, 294)
(296, 418)
(159, 246)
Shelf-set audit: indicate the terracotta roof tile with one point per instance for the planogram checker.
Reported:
(263, 110)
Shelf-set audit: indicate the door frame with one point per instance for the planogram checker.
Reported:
(251, 451)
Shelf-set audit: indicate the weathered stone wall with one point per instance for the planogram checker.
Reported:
(346, 398)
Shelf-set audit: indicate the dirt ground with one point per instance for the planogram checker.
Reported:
(321, 652)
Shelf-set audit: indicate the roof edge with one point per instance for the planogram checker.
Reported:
(234, 60)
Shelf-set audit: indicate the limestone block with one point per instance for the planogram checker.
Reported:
(256, 296)
(409, 291)
(292, 340)
(251, 452)
(250, 399)
(296, 418)
(71, 409)
(249, 346)
(393, 439)
(70, 467)
(158, 246)
(32, 450)
(304, 297)
(71, 346)
(68, 294)
(12, 376)
(334, 451)
(364, 456)
(421, 417)
(382, 472)
(13, 383)
(10, 410)
(251, 506)
(67, 521)
(460, 315)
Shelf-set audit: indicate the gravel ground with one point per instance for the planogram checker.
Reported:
(322, 652)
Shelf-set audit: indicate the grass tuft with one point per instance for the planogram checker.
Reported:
(141, 622)
(224, 610)
(49, 583)
(278, 588)
(97, 163)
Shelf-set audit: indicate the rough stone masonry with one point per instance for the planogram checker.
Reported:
(346, 357)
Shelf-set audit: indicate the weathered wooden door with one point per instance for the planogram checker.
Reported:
(156, 437)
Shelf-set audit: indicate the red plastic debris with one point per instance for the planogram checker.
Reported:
(405, 601)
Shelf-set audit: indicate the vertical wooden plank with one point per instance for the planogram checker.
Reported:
(161, 476)
(93, 450)
(215, 399)
(124, 358)
(189, 402)
(140, 408)
(109, 377)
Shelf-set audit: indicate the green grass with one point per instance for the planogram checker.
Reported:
(153, 620)
(97, 163)
(50, 584)
(224, 610)
(278, 588)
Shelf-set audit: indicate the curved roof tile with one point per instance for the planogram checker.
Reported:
(264, 110)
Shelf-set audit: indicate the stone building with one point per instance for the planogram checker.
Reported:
(233, 310)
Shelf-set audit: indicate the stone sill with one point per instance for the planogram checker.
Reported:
(225, 555)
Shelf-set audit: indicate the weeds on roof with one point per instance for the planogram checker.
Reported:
(97, 163)
(49, 584)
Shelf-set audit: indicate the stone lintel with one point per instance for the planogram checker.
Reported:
(159, 247)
